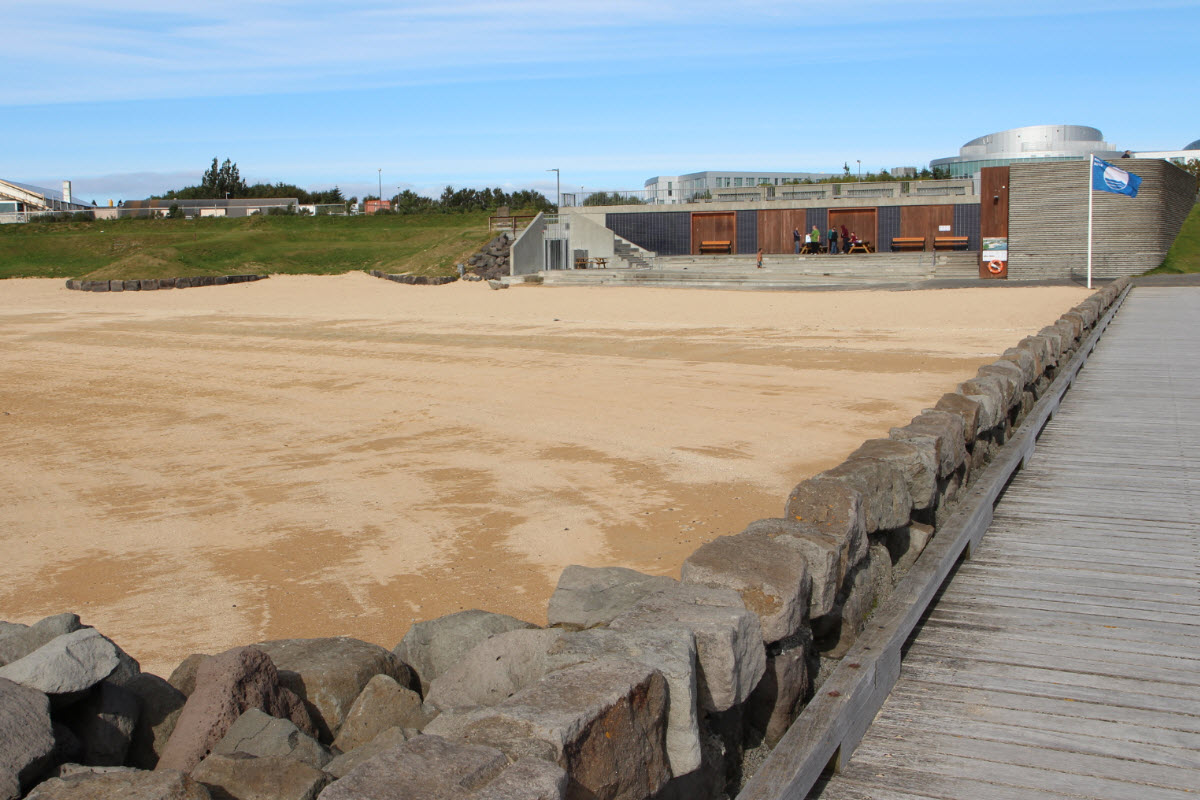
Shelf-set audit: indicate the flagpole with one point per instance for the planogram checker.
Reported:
(1091, 193)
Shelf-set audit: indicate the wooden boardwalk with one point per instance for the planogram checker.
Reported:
(1063, 660)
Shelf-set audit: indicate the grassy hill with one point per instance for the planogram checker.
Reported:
(1184, 255)
(427, 244)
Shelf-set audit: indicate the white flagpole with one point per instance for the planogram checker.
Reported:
(1091, 191)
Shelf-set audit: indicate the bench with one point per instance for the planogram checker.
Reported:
(810, 248)
(950, 242)
(711, 248)
(908, 243)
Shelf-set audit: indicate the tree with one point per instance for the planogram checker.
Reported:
(223, 181)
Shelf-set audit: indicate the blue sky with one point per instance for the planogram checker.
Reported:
(129, 98)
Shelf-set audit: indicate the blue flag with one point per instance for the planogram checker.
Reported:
(1107, 178)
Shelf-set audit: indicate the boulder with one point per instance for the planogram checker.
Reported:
(886, 502)
(1011, 379)
(116, 286)
(905, 545)
(1028, 358)
(672, 653)
(26, 737)
(729, 644)
(241, 777)
(589, 596)
(944, 432)
(390, 739)
(825, 557)
(258, 735)
(431, 647)
(227, 685)
(121, 785)
(19, 641)
(604, 722)
(427, 767)
(330, 673)
(770, 576)
(132, 286)
(834, 508)
(381, 705)
(160, 705)
(184, 676)
(785, 685)
(493, 670)
(916, 464)
(1054, 339)
(103, 722)
(69, 665)
(527, 779)
(967, 408)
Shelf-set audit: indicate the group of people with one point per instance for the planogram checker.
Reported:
(846, 238)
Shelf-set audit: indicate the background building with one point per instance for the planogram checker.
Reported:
(672, 189)
(19, 200)
(1031, 143)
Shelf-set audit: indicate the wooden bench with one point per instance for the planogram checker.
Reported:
(810, 248)
(908, 243)
(950, 242)
(712, 248)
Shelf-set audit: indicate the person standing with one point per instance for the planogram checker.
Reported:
(760, 255)
(796, 240)
(833, 240)
(815, 238)
(845, 240)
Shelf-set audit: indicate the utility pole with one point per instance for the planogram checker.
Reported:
(381, 187)
(557, 187)
(859, 161)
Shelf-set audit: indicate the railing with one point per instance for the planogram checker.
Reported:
(764, 193)
(512, 223)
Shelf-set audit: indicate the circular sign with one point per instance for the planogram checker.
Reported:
(1116, 179)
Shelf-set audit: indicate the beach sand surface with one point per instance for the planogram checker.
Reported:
(192, 470)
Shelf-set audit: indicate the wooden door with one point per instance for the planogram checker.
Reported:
(863, 221)
(775, 229)
(714, 226)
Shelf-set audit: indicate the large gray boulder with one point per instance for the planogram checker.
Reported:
(227, 685)
(916, 464)
(589, 596)
(160, 705)
(242, 777)
(103, 722)
(729, 644)
(26, 737)
(835, 508)
(493, 670)
(69, 665)
(122, 785)
(886, 502)
(381, 705)
(258, 734)
(433, 768)
(824, 555)
(18, 641)
(672, 653)
(330, 673)
(943, 431)
(431, 647)
(965, 407)
(770, 576)
(1011, 379)
(604, 722)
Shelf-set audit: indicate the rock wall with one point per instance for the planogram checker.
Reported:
(415, 280)
(151, 284)
(640, 687)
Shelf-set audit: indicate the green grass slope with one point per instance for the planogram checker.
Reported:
(421, 244)
(1184, 255)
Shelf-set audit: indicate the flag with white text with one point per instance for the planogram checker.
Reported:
(1107, 178)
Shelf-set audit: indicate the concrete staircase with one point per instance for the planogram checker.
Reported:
(779, 271)
(636, 257)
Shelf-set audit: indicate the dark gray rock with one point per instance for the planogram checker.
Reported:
(886, 501)
(184, 676)
(257, 734)
(70, 664)
(431, 647)
(160, 705)
(942, 430)
(20, 640)
(785, 685)
(104, 722)
(916, 464)
(26, 737)
(967, 408)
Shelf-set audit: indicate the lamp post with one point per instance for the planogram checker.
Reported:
(381, 187)
(557, 187)
(859, 162)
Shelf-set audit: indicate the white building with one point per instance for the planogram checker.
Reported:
(19, 200)
(671, 189)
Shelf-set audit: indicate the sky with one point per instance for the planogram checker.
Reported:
(129, 98)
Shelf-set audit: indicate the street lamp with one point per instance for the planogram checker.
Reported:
(381, 187)
(557, 187)
(859, 162)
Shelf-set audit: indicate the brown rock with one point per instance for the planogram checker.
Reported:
(226, 686)
(240, 777)
(184, 676)
(138, 785)
(381, 705)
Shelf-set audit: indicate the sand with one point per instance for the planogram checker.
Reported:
(195, 469)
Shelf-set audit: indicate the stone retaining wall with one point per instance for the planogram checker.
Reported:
(416, 280)
(152, 284)
(641, 687)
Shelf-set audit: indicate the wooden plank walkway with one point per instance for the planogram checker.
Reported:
(1063, 659)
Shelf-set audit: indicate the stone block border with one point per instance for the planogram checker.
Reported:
(153, 284)
(415, 280)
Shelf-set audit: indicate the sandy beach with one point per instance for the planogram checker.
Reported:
(190, 470)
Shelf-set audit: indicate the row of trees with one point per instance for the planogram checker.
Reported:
(463, 200)
(225, 181)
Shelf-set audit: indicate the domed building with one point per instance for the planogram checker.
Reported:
(1030, 143)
